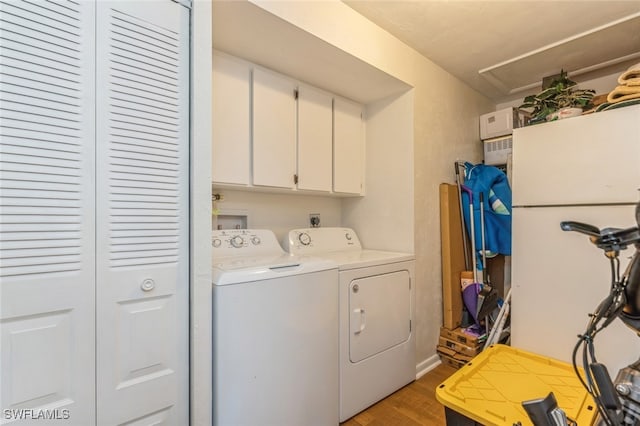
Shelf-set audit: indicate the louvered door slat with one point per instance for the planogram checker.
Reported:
(150, 154)
(15, 30)
(39, 108)
(37, 134)
(38, 59)
(152, 36)
(30, 225)
(143, 57)
(140, 79)
(44, 252)
(123, 135)
(13, 172)
(54, 164)
(59, 9)
(123, 228)
(47, 208)
(29, 209)
(44, 239)
(33, 72)
(125, 233)
(40, 96)
(147, 192)
(143, 111)
(149, 130)
(41, 150)
(39, 171)
(21, 14)
(64, 19)
(38, 127)
(14, 81)
(166, 100)
(160, 108)
(142, 183)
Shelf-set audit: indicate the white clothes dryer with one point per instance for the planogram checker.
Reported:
(377, 297)
(275, 333)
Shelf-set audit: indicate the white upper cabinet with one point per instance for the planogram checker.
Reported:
(274, 130)
(314, 139)
(348, 147)
(271, 131)
(231, 120)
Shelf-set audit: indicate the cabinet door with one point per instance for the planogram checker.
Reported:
(348, 147)
(314, 139)
(274, 130)
(231, 120)
(47, 227)
(142, 53)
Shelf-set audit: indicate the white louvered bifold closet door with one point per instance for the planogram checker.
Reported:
(94, 110)
(142, 206)
(47, 211)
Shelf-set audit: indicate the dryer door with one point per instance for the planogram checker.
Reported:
(380, 313)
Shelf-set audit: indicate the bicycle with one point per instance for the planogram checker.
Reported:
(618, 401)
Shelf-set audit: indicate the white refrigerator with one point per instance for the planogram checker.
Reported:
(584, 169)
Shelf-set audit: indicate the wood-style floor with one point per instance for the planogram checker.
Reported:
(414, 404)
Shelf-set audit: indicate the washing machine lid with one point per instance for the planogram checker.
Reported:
(241, 269)
(352, 259)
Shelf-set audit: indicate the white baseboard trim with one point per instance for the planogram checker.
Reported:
(427, 365)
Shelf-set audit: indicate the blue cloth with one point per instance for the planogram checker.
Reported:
(493, 184)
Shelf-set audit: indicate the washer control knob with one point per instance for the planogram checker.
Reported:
(304, 239)
(348, 236)
(216, 242)
(255, 240)
(237, 241)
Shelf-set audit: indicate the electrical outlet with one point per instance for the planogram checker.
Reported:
(314, 220)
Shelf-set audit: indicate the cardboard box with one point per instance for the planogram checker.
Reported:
(459, 347)
(452, 255)
(458, 335)
(443, 350)
(452, 362)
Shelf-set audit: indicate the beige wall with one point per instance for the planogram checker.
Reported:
(383, 218)
(279, 212)
(445, 128)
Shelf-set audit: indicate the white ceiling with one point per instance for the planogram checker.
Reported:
(503, 48)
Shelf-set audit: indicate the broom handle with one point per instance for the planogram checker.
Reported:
(464, 230)
(485, 276)
(473, 235)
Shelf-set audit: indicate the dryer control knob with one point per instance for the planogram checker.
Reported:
(255, 240)
(237, 241)
(348, 236)
(304, 239)
(216, 242)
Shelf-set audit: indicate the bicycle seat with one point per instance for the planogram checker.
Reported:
(607, 239)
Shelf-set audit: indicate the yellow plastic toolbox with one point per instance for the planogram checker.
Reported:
(489, 390)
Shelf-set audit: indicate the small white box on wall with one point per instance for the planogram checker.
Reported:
(500, 123)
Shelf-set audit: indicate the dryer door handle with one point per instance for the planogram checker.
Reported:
(359, 315)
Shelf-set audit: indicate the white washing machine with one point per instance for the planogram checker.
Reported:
(377, 342)
(275, 334)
